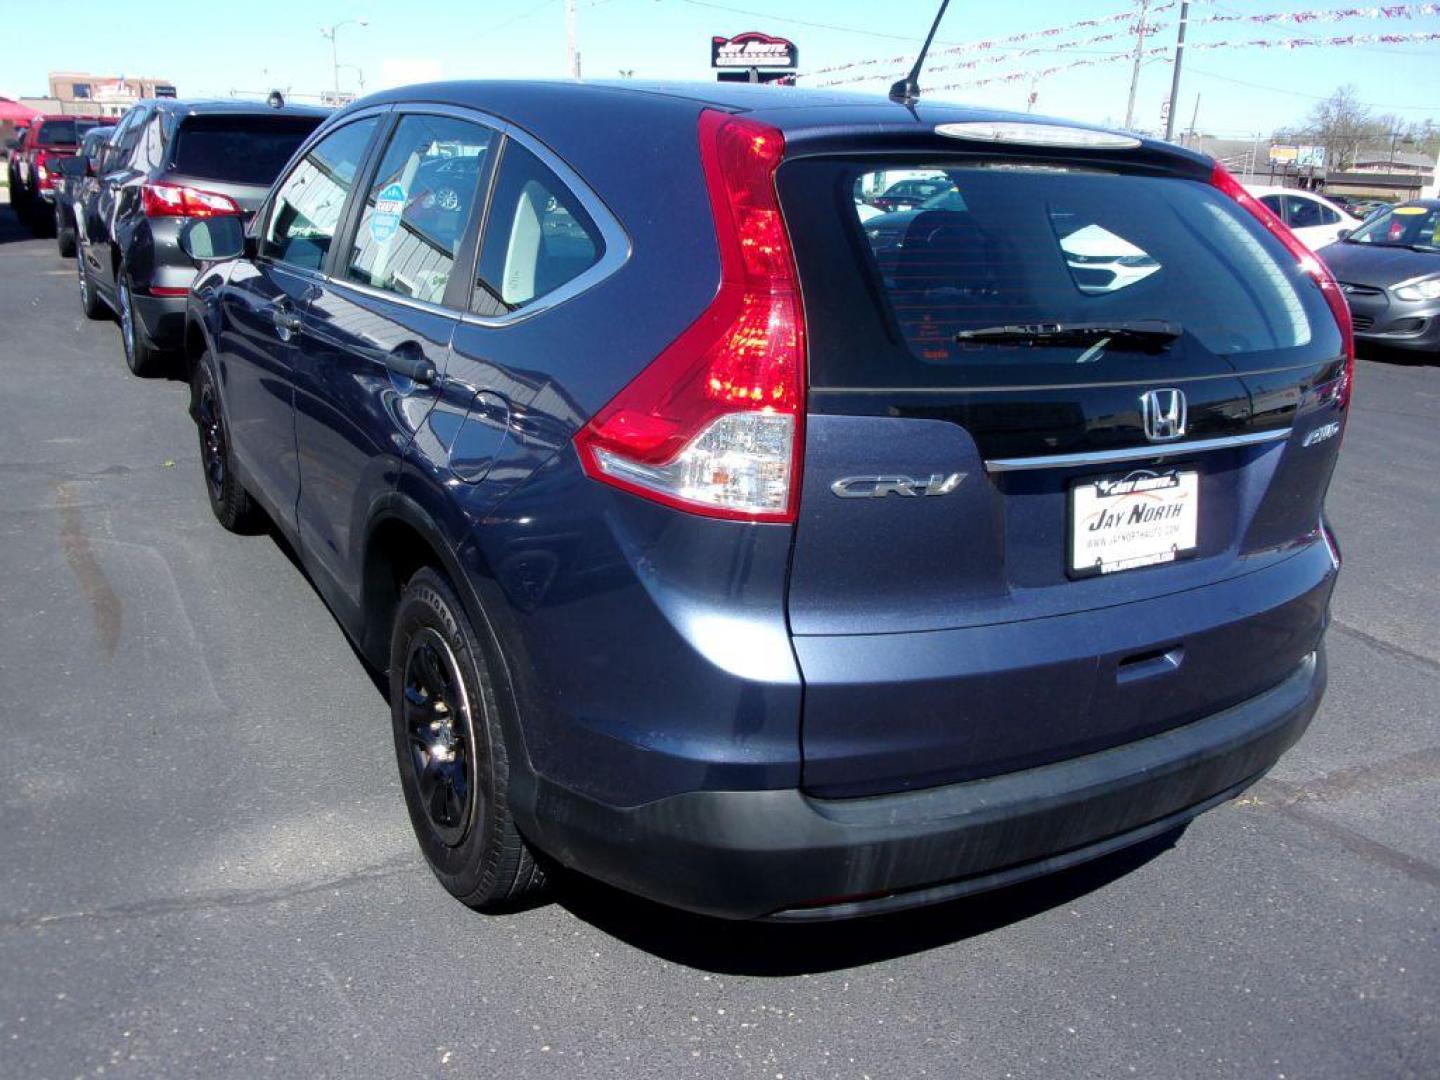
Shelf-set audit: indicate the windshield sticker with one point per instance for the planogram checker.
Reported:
(386, 219)
(1410, 211)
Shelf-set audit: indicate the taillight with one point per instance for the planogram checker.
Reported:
(42, 171)
(1309, 262)
(714, 424)
(173, 200)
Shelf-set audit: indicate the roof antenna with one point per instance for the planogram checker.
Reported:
(907, 90)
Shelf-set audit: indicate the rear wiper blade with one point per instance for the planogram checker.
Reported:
(1133, 333)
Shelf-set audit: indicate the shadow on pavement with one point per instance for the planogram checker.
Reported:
(1382, 354)
(765, 949)
(768, 949)
(12, 229)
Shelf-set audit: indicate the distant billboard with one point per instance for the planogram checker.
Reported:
(753, 50)
(1302, 157)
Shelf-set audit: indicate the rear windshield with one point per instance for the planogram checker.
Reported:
(239, 149)
(887, 290)
(63, 132)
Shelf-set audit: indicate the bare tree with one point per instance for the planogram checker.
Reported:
(1344, 125)
(1341, 123)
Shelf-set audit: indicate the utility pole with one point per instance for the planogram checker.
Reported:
(1139, 55)
(1175, 76)
(572, 53)
(1194, 117)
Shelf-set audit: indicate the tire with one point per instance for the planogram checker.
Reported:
(141, 357)
(451, 750)
(64, 236)
(229, 500)
(40, 219)
(90, 303)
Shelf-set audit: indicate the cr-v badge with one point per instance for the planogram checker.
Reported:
(877, 487)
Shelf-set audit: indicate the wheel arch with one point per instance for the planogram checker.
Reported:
(196, 343)
(400, 538)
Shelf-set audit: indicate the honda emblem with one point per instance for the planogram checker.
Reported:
(1164, 414)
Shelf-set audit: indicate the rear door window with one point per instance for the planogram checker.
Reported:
(538, 237)
(1303, 213)
(1023, 245)
(419, 205)
(239, 149)
(305, 211)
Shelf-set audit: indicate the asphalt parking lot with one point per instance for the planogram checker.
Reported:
(208, 870)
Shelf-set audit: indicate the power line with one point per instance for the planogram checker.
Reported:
(516, 18)
(1301, 93)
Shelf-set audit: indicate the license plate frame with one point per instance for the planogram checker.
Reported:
(1136, 544)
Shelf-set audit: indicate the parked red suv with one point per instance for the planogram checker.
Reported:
(33, 176)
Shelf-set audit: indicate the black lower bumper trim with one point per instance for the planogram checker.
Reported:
(787, 856)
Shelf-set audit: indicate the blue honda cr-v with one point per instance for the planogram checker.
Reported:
(737, 543)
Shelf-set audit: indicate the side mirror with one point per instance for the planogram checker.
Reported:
(71, 166)
(1343, 233)
(210, 239)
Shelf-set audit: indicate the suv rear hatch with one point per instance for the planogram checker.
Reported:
(237, 155)
(1011, 543)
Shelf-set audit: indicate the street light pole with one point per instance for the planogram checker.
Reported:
(330, 33)
(572, 53)
(1175, 78)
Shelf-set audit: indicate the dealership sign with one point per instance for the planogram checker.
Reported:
(753, 50)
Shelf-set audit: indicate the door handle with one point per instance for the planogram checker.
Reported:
(284, 319)
(412, 365)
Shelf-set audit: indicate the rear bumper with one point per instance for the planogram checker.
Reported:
(787, 856)
(162, 319)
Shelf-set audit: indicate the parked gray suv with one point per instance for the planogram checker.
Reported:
(169, 162)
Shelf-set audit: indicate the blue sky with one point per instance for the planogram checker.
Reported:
(251, 46)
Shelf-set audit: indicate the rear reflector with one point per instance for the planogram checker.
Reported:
(714, 424)
(1309, 262)
(172, 200)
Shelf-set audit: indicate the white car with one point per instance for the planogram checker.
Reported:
(1313, 218)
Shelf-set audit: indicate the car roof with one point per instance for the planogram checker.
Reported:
(1280, 189)
(231, 106)
(542, 103)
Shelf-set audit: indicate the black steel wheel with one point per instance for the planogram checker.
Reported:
(440, 730)
(450, 746)
(229, 500)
